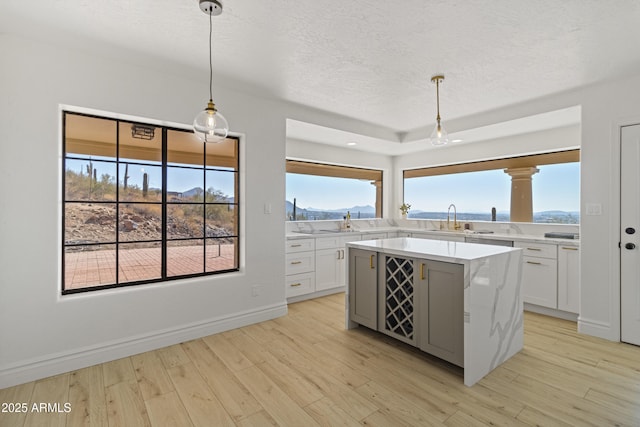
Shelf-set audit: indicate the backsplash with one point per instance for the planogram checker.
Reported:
(515, 228)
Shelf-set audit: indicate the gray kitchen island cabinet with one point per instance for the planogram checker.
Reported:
(417, 301)
(458, 301)
(363, 278)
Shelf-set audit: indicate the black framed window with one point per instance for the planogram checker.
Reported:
(144, 203)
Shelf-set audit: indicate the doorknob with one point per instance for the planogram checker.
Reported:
(629, 230)
(630, 245)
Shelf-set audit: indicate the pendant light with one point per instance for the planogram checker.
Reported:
(209, 125)
(439, 136)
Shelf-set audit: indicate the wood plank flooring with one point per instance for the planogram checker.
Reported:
(305, 369)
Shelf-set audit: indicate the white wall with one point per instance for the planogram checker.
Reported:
(42, 332)
(309, 151)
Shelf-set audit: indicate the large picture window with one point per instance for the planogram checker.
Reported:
(550, 182)
(145, 203)
(318, 191)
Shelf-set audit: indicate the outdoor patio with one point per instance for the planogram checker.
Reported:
(95, 268)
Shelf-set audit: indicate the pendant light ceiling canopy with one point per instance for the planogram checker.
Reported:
(209, 125)
(439, 136)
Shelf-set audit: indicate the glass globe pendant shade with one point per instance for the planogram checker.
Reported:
(439, 136)
(209, 125)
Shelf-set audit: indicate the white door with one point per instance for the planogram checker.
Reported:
(630, 234)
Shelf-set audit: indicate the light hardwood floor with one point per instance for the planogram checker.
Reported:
(305, 369)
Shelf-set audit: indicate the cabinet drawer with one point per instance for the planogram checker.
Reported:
(299, 284)
(540, 250)
(300, 245)
(302, 262)
(327, 242)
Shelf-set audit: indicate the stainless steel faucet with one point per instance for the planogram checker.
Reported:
(456, 226)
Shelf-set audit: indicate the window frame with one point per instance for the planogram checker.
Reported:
(555, 157)
(532, 160)
(338, 171)
(164, 240)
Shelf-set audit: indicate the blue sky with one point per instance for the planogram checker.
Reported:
(329, 193)
(555, 187)
(179, 179)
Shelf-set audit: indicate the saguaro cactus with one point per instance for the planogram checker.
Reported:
(145, 185)
(126, 175)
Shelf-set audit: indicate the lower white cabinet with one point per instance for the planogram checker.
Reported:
(569, 278)
(539, 280)
(539, 274)
(329, 268)
(551, 275)
(300, 284)
(330, 262)
(300, 267)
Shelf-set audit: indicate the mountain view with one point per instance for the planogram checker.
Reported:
(314, 214)
(368, 211)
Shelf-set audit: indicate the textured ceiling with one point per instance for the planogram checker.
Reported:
(369, 60)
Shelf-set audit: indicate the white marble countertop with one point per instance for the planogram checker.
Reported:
(439, 250)
(474, 234)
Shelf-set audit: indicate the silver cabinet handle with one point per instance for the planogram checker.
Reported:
(296, 246)
(296, 284)
(296, 262)
(534, 263)
(569, 248)
(534, 249)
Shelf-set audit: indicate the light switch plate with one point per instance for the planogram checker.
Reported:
(594, 208)
(267, 208)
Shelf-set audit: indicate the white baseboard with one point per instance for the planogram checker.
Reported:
(318, 294)
(596, 328)
(54, 364)
(551, 312)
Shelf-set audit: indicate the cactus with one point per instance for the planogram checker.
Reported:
(126, 175)
(145, 185)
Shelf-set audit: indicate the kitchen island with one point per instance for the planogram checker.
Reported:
(459, 301)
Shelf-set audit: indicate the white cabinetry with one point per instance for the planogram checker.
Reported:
(569, 278)
(539, 273)
(330, 261)
(300, 267)
(551, 275)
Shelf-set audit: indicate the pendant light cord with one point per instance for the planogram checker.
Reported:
(210, 60)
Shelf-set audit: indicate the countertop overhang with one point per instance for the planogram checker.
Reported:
(442, 250)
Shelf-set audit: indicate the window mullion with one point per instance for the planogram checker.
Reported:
(163, 267)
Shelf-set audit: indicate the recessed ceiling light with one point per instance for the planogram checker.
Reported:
(456, 140)
(352, 143)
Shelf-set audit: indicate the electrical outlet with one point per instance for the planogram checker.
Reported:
(256, 290)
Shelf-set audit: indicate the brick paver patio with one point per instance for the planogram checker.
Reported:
(94, 268)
